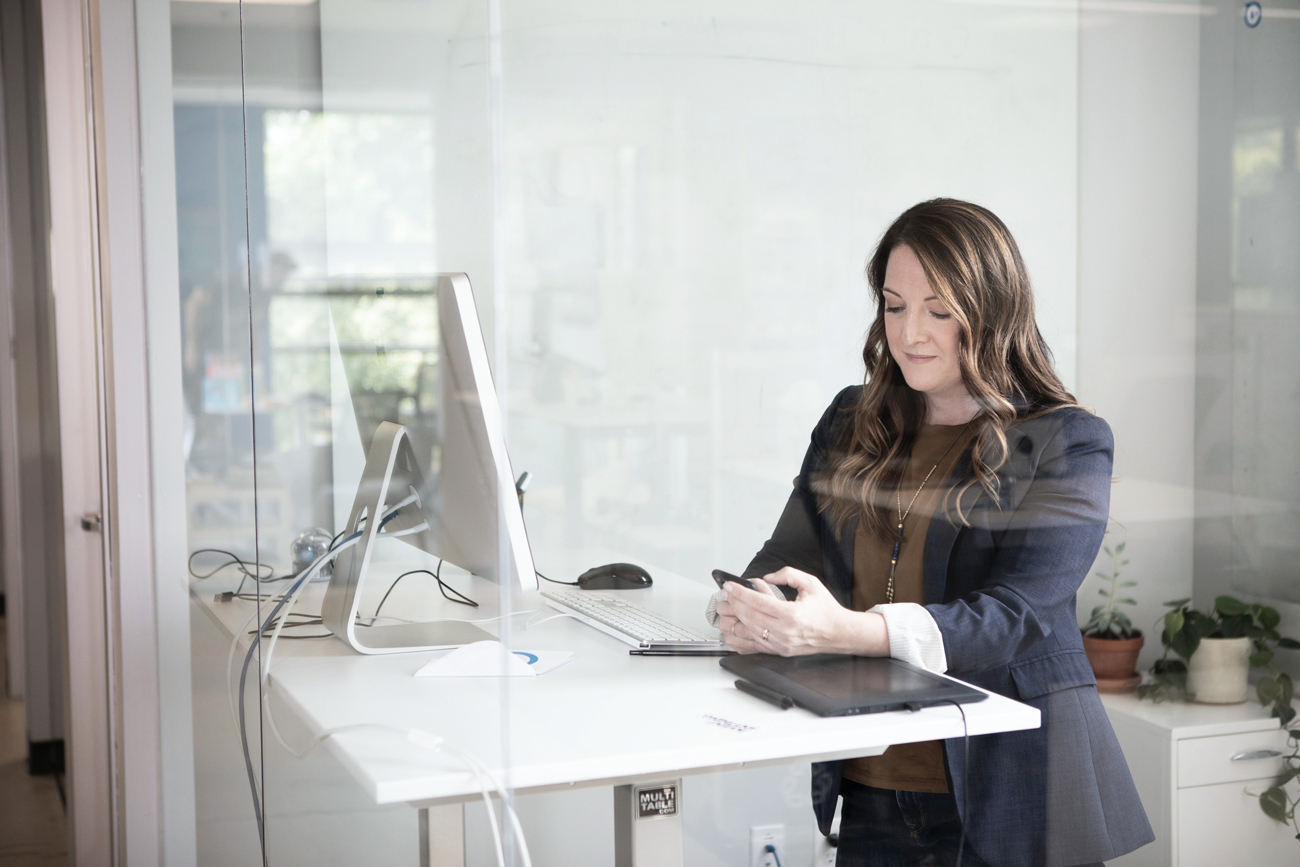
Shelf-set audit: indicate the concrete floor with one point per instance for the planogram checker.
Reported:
(33, 830)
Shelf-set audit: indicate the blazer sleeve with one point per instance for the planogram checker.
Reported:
(796, 541)
(1041, 553)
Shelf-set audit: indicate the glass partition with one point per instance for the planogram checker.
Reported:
(664, 212)
(691, 195)
(215, 222)
(306, 254)
(1247, 399)
(1265, 310)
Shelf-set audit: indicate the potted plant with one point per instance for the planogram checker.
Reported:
(1109, 639)
(1190, 633)
(1215, 652)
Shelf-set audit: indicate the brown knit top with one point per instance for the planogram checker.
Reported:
(916, 767)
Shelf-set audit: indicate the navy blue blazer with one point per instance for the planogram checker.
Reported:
(1002, 591)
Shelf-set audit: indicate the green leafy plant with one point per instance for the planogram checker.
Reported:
(1184, 627)
(1275, 801)
(1107, 620)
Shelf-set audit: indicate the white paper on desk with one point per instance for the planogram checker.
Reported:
(494, 659)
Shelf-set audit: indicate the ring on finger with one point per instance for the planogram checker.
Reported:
(765, 635)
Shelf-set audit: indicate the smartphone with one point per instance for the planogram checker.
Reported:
(723, 577)
(787, 593)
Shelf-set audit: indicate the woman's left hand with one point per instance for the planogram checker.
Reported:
(815, 622)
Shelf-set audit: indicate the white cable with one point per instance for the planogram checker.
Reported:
(480, 772)
(433, 743)
(530, 624)
(373, 620)
(275, 636)
(293, 600)
(491, 814)
(412, 498)
(323, 736)
(234, 641)
(484, 620)
(287, 598)
(264, 679)
(437, 744)
(492, 819)
(418, 528)
(506, 808)
(230, 674)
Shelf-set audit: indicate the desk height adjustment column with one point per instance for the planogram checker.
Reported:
(648, 824)
(442, 836)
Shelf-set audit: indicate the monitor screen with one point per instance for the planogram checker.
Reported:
(413, 357)
(429, 433)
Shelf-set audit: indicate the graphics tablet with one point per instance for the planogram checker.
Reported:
(835, 685)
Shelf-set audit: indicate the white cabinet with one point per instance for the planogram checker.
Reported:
(1194, 766)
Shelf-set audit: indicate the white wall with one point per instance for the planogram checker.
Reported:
(1138, 110)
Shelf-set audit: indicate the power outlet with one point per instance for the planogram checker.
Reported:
(762, 836)
(824, 848)
(823, 851)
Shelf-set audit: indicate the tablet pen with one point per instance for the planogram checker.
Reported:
(770, 696)
(669, 652)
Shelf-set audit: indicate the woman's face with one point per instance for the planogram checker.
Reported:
(923, 336)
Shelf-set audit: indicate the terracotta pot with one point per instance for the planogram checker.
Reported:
(1216, 673)
(1114, 660)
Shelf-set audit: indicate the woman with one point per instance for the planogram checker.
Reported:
(946, 513)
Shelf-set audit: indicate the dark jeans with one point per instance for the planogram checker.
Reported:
(884, 828)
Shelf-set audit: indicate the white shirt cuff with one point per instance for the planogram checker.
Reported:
(711, 609)
(913, 635)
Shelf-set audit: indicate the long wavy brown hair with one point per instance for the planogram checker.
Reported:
(974, 267)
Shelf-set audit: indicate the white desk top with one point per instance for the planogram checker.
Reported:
(603, 718)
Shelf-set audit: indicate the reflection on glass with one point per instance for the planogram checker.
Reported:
(371, 173)
(688, 202)
(1266, 315)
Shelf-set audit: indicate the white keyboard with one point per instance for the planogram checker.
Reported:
(626, 621)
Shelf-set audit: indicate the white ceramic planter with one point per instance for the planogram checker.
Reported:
(1217, 671)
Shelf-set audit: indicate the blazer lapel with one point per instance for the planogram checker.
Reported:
(943, 532)
(940, 538)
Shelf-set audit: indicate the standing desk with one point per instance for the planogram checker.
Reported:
(604, 718)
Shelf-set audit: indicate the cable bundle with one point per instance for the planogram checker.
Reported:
(275, 622)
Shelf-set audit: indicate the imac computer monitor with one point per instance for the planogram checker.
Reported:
(465, 512)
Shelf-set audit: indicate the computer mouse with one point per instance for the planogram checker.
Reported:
(615, 576)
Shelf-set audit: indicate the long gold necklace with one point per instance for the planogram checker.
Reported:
(902, 516)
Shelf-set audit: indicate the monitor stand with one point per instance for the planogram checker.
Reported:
(391, 476)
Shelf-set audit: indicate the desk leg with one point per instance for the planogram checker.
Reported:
(442, 836)
(648, 824)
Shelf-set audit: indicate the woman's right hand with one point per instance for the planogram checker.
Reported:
(756, 622)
